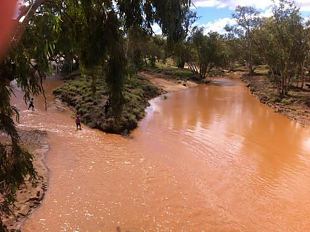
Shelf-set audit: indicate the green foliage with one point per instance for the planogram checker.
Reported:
(283, 42)
(173, 72)
(207, 52)
(247, 20)
(143, 49)
(137, 92)
(97, 32)
(182, 54)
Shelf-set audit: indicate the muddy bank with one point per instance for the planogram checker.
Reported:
(31, 193)
(295, 106)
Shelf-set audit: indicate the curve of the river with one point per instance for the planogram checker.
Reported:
(210, 158)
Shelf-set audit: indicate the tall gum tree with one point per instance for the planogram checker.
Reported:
(247, 19)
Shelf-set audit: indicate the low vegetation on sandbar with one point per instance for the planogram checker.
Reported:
(96, 112)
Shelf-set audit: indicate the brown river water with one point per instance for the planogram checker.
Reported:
(210, 158)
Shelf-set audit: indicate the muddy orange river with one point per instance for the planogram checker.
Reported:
(210, 158)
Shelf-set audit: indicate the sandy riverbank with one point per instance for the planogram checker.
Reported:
(166, 83)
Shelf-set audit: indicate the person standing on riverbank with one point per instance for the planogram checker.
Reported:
(31, 105)
(78, 123)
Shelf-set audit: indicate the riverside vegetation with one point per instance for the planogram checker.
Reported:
(89, 105)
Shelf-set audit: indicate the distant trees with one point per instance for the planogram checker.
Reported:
(247, 19)
(206, 52)
(283, 43)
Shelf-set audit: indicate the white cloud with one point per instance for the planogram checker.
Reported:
(304, 5)
(218, 25)
(266, 13)
(259, 4)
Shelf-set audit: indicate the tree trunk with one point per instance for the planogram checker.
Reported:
(302, 77)
(181, 64)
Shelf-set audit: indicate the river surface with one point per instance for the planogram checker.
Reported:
(210, 158)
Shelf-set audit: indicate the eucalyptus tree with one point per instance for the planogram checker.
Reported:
(247, 19)
(283, 42)
(232, 48)
(207, 52)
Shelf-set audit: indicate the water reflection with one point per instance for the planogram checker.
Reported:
(236, 151)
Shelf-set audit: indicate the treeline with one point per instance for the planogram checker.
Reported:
(281, 41)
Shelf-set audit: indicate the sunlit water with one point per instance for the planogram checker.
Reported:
(210, 158)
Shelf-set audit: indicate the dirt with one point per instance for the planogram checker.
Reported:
(31, 193)
(295, 106)
(166, 83)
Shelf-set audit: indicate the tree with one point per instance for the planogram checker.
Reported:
(207, 52)
(231, 49)
(136, 46)
(180, 50)
(182, 54)
(284, 44)
(247, 20)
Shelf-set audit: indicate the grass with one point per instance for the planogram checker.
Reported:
(173, 72)
(78, 94)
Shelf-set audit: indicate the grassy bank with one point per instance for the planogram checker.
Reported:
(78, 94)
(173, 72)
(296, 105)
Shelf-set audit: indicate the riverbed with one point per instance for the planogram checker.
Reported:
(208, 158)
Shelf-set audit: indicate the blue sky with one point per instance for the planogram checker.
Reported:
(215, 14)
(208, 14)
